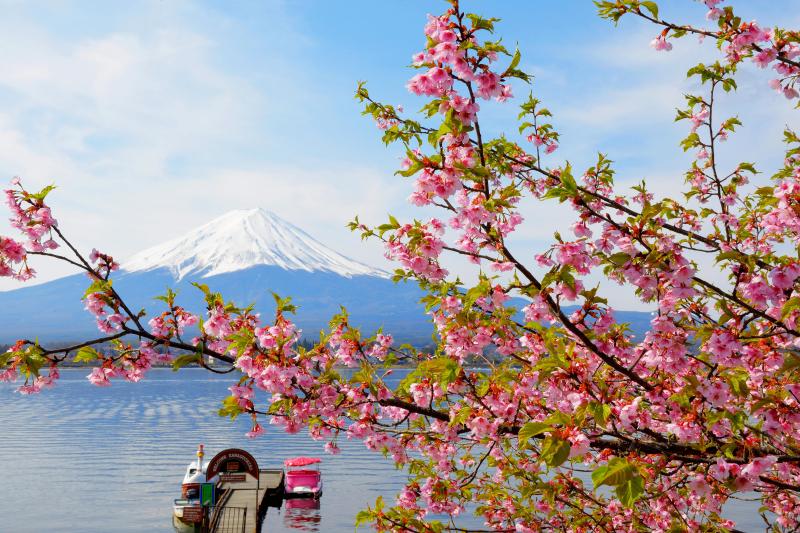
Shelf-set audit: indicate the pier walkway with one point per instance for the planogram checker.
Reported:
(242, 509)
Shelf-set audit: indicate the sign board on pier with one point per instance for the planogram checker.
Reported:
(193, 515)
(232, 461)
(207, 498)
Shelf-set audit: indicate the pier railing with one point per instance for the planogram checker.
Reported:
(225, 519)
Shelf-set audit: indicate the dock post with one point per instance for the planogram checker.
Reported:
(204, 523)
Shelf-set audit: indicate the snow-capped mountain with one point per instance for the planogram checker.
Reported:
(243, 239)
(244, 255)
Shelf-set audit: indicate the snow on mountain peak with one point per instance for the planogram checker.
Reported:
(241, 239)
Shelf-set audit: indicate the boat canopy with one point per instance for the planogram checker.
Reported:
(302, 461)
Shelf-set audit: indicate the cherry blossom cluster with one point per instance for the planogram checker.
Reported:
(172, 323)
(105, 264)
(32, 217)
(417, 247)
(447, 59)
(102, 305)
(17, 356)
(131, 366)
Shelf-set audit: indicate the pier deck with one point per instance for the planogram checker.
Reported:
(241, 510)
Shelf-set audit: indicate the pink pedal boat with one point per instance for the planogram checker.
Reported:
(301, 480)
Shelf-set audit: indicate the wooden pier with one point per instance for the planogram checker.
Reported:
(242, 509)
(238, 499)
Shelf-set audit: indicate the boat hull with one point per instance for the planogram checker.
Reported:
(181, 526)
(304, 491)
(178, 521)
(303, 483)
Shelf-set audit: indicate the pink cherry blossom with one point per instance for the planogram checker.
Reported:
(660, 44)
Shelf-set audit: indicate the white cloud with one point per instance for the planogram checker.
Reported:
(646, 104)
(319, 200)
(148, 131)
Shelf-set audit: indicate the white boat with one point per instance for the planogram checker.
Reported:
(185, 509)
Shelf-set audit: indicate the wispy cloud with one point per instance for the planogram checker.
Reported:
(152, 124)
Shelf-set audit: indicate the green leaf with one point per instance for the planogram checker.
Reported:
(203, 287)
(738, 383)
(86, 354)
(32, 361)
(619, 258)
(98, 285)
(747, 166)
(791, 304)
(615, 473)
(569, 183)
(442, 370)
(730, 255)
(363, 517)
(790, 362)
(600, 412)
(478, 291)
(531, 429)
(284, 305)
(652, 7)
(480, 23)
(558, 418)
(450, 373)
(461, 416)
(554, 451)
(41, 195)
(514, 60)
(630, 491)
(230, 407)
(184, 360)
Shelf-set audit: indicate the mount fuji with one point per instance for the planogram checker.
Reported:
(244, 239)
(246, 256)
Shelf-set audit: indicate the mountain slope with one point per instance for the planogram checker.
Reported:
(246, 256)
(54, 312)
(240, 240)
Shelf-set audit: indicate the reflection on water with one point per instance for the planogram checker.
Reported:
(112, 459)
(302, 514)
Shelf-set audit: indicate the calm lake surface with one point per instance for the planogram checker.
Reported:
(90, 459)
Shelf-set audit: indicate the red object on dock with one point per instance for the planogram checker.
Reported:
(302, 461)
(303, 481)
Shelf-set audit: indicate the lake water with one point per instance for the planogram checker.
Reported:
(91, 459)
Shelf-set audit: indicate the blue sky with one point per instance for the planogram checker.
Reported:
(155, 117)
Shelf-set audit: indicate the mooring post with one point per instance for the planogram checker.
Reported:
(258, 502)
(204, 523)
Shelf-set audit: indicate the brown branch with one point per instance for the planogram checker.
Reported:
(88, 267)
(715, 35)
(575, 330)
(610, 202)
(414, 408)
(60, 257)
(742, 303)
(68, 349)
(179, 345)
